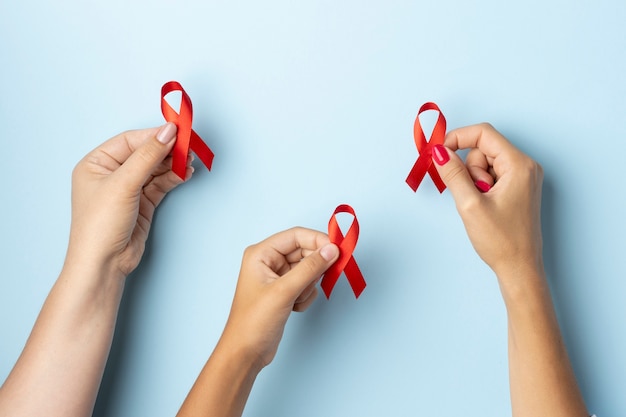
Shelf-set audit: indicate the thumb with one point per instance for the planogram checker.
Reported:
(454, 174)
(309, 269)
(136, 170)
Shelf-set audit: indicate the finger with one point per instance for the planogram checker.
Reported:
(479, 169)
(308, 271)
(297, 255)
(454, 174)
(162, 182)
(166, 165)
(121, 146)
(282, 249)
(306, 293)
(501, 154)
(302, 306)
(482, 136)
(296, 239)
(143, 162)
(154, 193)
(144, 220)
(156, 189)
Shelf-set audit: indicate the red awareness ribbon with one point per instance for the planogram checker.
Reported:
(186, 137)
(346, 262)
(425, 163)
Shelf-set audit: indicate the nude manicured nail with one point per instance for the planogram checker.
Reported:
(482, 186)
(440, 155)
(166, 133)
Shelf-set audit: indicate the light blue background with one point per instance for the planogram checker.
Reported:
(308, 105)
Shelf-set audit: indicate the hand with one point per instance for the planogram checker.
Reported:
(115, 190)
(498, 195)
(277, 276)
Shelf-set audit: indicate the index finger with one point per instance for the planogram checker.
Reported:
(121, 146)
(482, 136)
(282, 250)
(297, 239)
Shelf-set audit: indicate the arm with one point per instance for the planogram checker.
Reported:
(503, 224)
(277, 276)
(115, 190)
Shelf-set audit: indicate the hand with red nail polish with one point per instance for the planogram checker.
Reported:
(497, 190)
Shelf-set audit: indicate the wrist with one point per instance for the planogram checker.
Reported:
(523, 285)
(233, 348)
(84, 257)
(223, 386)
(92, 274)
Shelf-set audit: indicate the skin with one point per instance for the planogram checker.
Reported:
(504, 227)
(115, 190)
(277, 276)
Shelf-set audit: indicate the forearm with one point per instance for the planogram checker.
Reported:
(223, 386)
(61, 366)
(541, 377)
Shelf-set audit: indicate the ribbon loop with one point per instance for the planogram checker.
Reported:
(424, 163)
(345, 262)
(186, 137)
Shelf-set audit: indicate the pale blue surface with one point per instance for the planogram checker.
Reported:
(309, 105)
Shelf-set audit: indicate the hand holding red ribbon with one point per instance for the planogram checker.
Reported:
(346, 262)
(425, 163)
(186, 137)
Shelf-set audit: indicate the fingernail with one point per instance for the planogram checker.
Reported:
(166, 133)
(440, 155)
(482, 186)
(329, 252)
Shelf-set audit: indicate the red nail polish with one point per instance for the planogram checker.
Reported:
(482, 186)
(440, 155)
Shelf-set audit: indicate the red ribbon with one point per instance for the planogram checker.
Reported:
(346, 262)
(425, 163)
(186, 138)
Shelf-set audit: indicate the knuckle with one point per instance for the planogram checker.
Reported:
(539, 170)
(82, 167)
(150, 153)
(250, 251)
(529, 170)
(312, 264)
(77, 171)
(528, 165)
(453, 173)
(471, 206)
(295, 232)
(486, 126)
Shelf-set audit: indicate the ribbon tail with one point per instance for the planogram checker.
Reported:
(434, 174)
(179, 158)
(334, 272)
(201, 149)
(355, 277)
(330, 279)
(417, 173)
